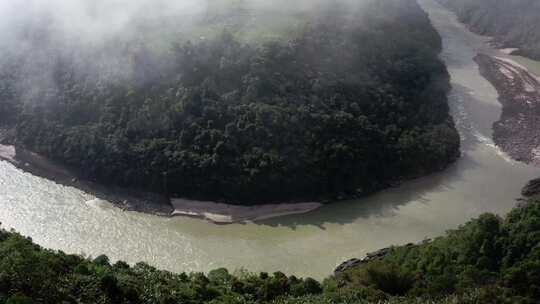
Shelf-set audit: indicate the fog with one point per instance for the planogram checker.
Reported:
(91, 20)
(99, 20)
(102, 37)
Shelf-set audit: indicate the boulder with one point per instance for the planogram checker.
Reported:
(379, 254)
(532, 189)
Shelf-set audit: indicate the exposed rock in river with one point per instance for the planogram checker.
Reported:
(532, 189)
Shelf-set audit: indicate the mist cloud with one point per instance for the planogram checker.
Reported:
(96, 20)
(102, 37)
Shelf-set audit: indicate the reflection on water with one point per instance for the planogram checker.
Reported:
(311, 244)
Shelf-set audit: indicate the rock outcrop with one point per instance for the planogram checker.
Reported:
(532, 189)
(379, 254)
(372, 256)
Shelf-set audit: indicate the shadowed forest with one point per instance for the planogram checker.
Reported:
(352, 102)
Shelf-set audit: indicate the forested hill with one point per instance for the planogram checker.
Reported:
(354, 102)
(488, 260)
(513, 23)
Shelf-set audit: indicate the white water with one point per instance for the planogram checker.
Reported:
(483, 180)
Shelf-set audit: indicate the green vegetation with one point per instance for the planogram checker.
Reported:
(495, 258)
(487, 260)
(354, 103)
(512, 23)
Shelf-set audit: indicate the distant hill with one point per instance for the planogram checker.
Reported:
(514, 23)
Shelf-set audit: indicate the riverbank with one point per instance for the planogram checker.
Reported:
(220, 213)
(152, 203)
(161, 205)
(517, 131)
(126, 199)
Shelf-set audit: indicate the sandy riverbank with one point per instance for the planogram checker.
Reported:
(225, 214)
(132, 200)
(518, 131)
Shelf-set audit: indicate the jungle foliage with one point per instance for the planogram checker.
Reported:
(354, 103)
(487, 260)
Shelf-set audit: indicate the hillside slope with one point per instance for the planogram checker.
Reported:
(354, 103)
(487, 260)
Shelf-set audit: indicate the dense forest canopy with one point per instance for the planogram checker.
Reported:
(347, 103)
(488, 260)
(513, 23)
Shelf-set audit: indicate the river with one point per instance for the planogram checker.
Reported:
(483, 180)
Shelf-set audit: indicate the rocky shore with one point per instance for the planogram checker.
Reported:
(370, 257)
(351, 263)
(517, 132)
